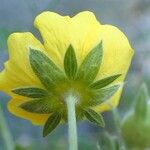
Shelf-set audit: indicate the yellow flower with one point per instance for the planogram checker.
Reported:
(83, 32)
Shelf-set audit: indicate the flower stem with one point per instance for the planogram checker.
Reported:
(72, 129)
(4, 130)
(117, 122)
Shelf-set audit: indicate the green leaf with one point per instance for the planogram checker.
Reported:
(104, 82)
(141, 106)
(90, 65)
(94, 117)
(70, 63)
(40, 106)
(51, 123)
(32, 92)
(48, 73)
(102, 95)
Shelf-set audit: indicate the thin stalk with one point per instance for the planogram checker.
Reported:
(72, 127)
(5, 133)
(117, 122)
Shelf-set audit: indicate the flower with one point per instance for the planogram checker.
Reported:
(26, 74)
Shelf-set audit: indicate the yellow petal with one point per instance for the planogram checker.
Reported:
(83, 26)
(55, 34)
(59, 32)
(36, 119)
(17, 72)
(116, 60)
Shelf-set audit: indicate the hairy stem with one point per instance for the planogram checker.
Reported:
(72, 127)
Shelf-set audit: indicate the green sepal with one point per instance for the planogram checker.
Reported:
(90, 65)
(41, 105)
(70, 63)
(102, 95)
(94, 117)
(141, 105)
(31, 92)
(104, 82)
(48, 73)
(51, 123)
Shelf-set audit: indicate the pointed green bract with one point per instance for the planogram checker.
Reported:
(39, 106)
(102, 95)
(91, 65)
(51, 123)
(94, 117)
(70, 63)
(42, 105)
(141, 105)
(31, 92)
(48, 73)
(104, 82)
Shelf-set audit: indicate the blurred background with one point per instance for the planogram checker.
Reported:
(132, 17)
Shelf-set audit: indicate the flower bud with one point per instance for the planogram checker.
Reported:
(136, 125)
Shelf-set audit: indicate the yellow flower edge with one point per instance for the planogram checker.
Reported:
(84, 32)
